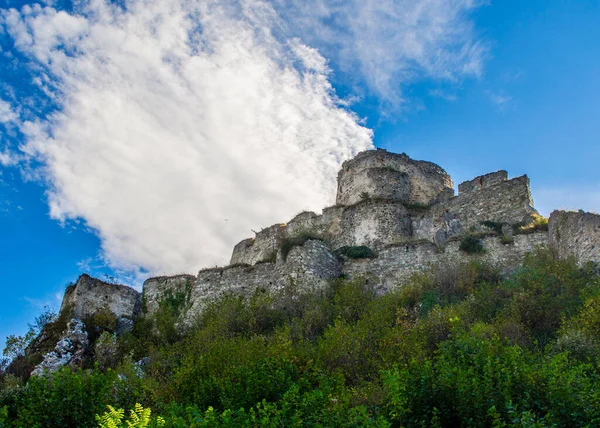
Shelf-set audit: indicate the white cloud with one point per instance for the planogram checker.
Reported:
(390, 43)
(7, 159)
(438, 93)
(184, 124)
(7, 115)
(166, 131)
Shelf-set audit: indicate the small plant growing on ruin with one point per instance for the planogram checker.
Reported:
(355, 252)
(493, 225)
(364, 196)
(537, 223)
(471, 245)
(417, 206)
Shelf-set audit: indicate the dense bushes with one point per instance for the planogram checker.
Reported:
(456, 346)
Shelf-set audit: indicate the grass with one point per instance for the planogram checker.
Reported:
(355, 252)
(538, 223)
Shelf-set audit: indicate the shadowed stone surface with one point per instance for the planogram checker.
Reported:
(575, 234)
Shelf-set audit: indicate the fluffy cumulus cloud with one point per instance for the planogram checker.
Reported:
(181, 125)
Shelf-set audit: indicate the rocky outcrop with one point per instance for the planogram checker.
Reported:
(90, 295)
(70, 350)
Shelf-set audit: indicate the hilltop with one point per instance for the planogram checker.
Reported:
(402, 305)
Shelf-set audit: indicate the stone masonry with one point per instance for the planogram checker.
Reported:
(576, 234)
(404, 210)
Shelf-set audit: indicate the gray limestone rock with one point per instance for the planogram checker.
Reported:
(70, 349)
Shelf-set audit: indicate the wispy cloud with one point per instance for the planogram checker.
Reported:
(499, 98)
(438, 93)
(390, 43)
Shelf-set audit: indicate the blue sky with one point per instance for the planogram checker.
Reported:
(148, 137)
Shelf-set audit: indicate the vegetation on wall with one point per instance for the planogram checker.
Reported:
(355, 252)
(457, 346)
(471, 245)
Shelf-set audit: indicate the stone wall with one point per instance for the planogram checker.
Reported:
(418, 182)
(575, 234)
(396, 264)
(155, 289)
(487, 180)
(377, 222)
(90, 295)
(498, 200)
(373, 223)
(260, 248)
(306, 267)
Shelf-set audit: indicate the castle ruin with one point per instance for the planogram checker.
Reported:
(404, 212)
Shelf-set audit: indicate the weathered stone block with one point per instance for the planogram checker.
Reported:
(487, 180)
(575, 234)
(423, 181)
(157, 288)
(90, 295)
(373, 223)
(259, 248)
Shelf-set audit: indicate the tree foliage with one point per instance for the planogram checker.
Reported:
(456, 346)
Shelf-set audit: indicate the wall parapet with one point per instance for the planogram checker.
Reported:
(486, 180)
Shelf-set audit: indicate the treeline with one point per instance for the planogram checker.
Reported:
(457, 346)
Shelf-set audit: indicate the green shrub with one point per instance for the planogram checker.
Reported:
(493, 225)
(355, 252)
(457, 345)
(471, 245)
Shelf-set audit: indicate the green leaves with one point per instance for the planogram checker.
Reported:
(455, 346)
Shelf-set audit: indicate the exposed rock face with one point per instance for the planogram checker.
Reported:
(70, 349)
(90, 295)
(575, 234)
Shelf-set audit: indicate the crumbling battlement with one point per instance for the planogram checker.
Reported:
(392, 212)
(306, 267)
(575, 234)
(487, 180)
(498, 201)
(384, 175)
(160, 287)
(90, 295)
